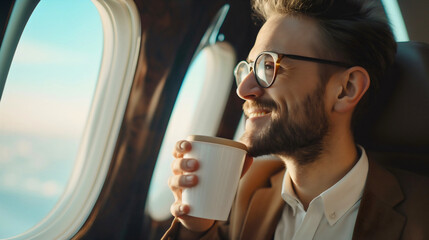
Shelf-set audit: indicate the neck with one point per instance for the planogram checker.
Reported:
(310, 180)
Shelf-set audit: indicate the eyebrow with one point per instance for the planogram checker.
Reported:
(249, 61)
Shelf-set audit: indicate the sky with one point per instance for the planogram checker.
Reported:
(44, 108)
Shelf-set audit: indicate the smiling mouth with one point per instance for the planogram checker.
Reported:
(256, 114)
(258, 109)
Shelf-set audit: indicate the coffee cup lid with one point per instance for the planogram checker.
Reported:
(217, 140)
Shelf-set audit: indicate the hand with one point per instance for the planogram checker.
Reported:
(179, 181)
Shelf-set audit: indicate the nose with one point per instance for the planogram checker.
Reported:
(249, 88)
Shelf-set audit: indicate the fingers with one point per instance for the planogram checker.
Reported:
(194, 224)
(178, 166)
(178, 182)
(178, 209)
(181, 148)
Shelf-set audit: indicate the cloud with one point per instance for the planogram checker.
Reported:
(19, 183)
(45, 116)
(31, 165)
(5, 155)
(49, 188)
(35, 53)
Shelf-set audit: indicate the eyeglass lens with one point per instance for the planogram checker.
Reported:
(242, 70)
(264, 70)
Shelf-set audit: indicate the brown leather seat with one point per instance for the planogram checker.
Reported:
(395, 130)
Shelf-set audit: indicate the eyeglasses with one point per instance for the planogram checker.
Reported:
(266, 65)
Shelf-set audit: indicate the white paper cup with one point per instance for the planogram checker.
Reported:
(221, 162)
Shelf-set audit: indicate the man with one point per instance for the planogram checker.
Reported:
(311, 67)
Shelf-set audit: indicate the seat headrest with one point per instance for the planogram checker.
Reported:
(397, 120)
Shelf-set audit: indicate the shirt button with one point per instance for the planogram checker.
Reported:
(332, 215)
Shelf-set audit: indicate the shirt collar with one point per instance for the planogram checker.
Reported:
(339, 198)
(288, 194)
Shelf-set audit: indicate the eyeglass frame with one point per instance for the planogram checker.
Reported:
(278, 58)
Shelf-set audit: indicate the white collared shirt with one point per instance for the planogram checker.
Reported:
(331, 215)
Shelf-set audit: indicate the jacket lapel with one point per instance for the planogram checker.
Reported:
(265, 210)
(377, 218)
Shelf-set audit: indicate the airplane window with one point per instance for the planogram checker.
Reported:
(394, 14)
(198, 110)
(44, 109)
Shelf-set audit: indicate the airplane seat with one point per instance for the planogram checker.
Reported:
(395, 128)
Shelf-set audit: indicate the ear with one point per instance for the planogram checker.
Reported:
(354, 83)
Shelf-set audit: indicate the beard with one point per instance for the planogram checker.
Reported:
(298, 134)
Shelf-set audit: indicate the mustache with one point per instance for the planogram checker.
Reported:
(260, 103)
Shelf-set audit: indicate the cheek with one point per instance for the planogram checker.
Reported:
(288, 106)
(290, 94)
(293, 90)
(281, 109)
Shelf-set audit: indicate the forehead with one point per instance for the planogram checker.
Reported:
(287, 34)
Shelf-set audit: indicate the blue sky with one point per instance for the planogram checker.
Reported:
(58, 58)
(44, 108)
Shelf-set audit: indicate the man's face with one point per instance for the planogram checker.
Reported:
(289, 118)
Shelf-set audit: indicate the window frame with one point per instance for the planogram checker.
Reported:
(20, 12)
(122, 35)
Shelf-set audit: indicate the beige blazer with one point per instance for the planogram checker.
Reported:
(394, 205)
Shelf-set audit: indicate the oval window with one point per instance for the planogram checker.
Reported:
(44, 109)
(198, 110)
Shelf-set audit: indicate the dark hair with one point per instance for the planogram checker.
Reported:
(353, 31)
